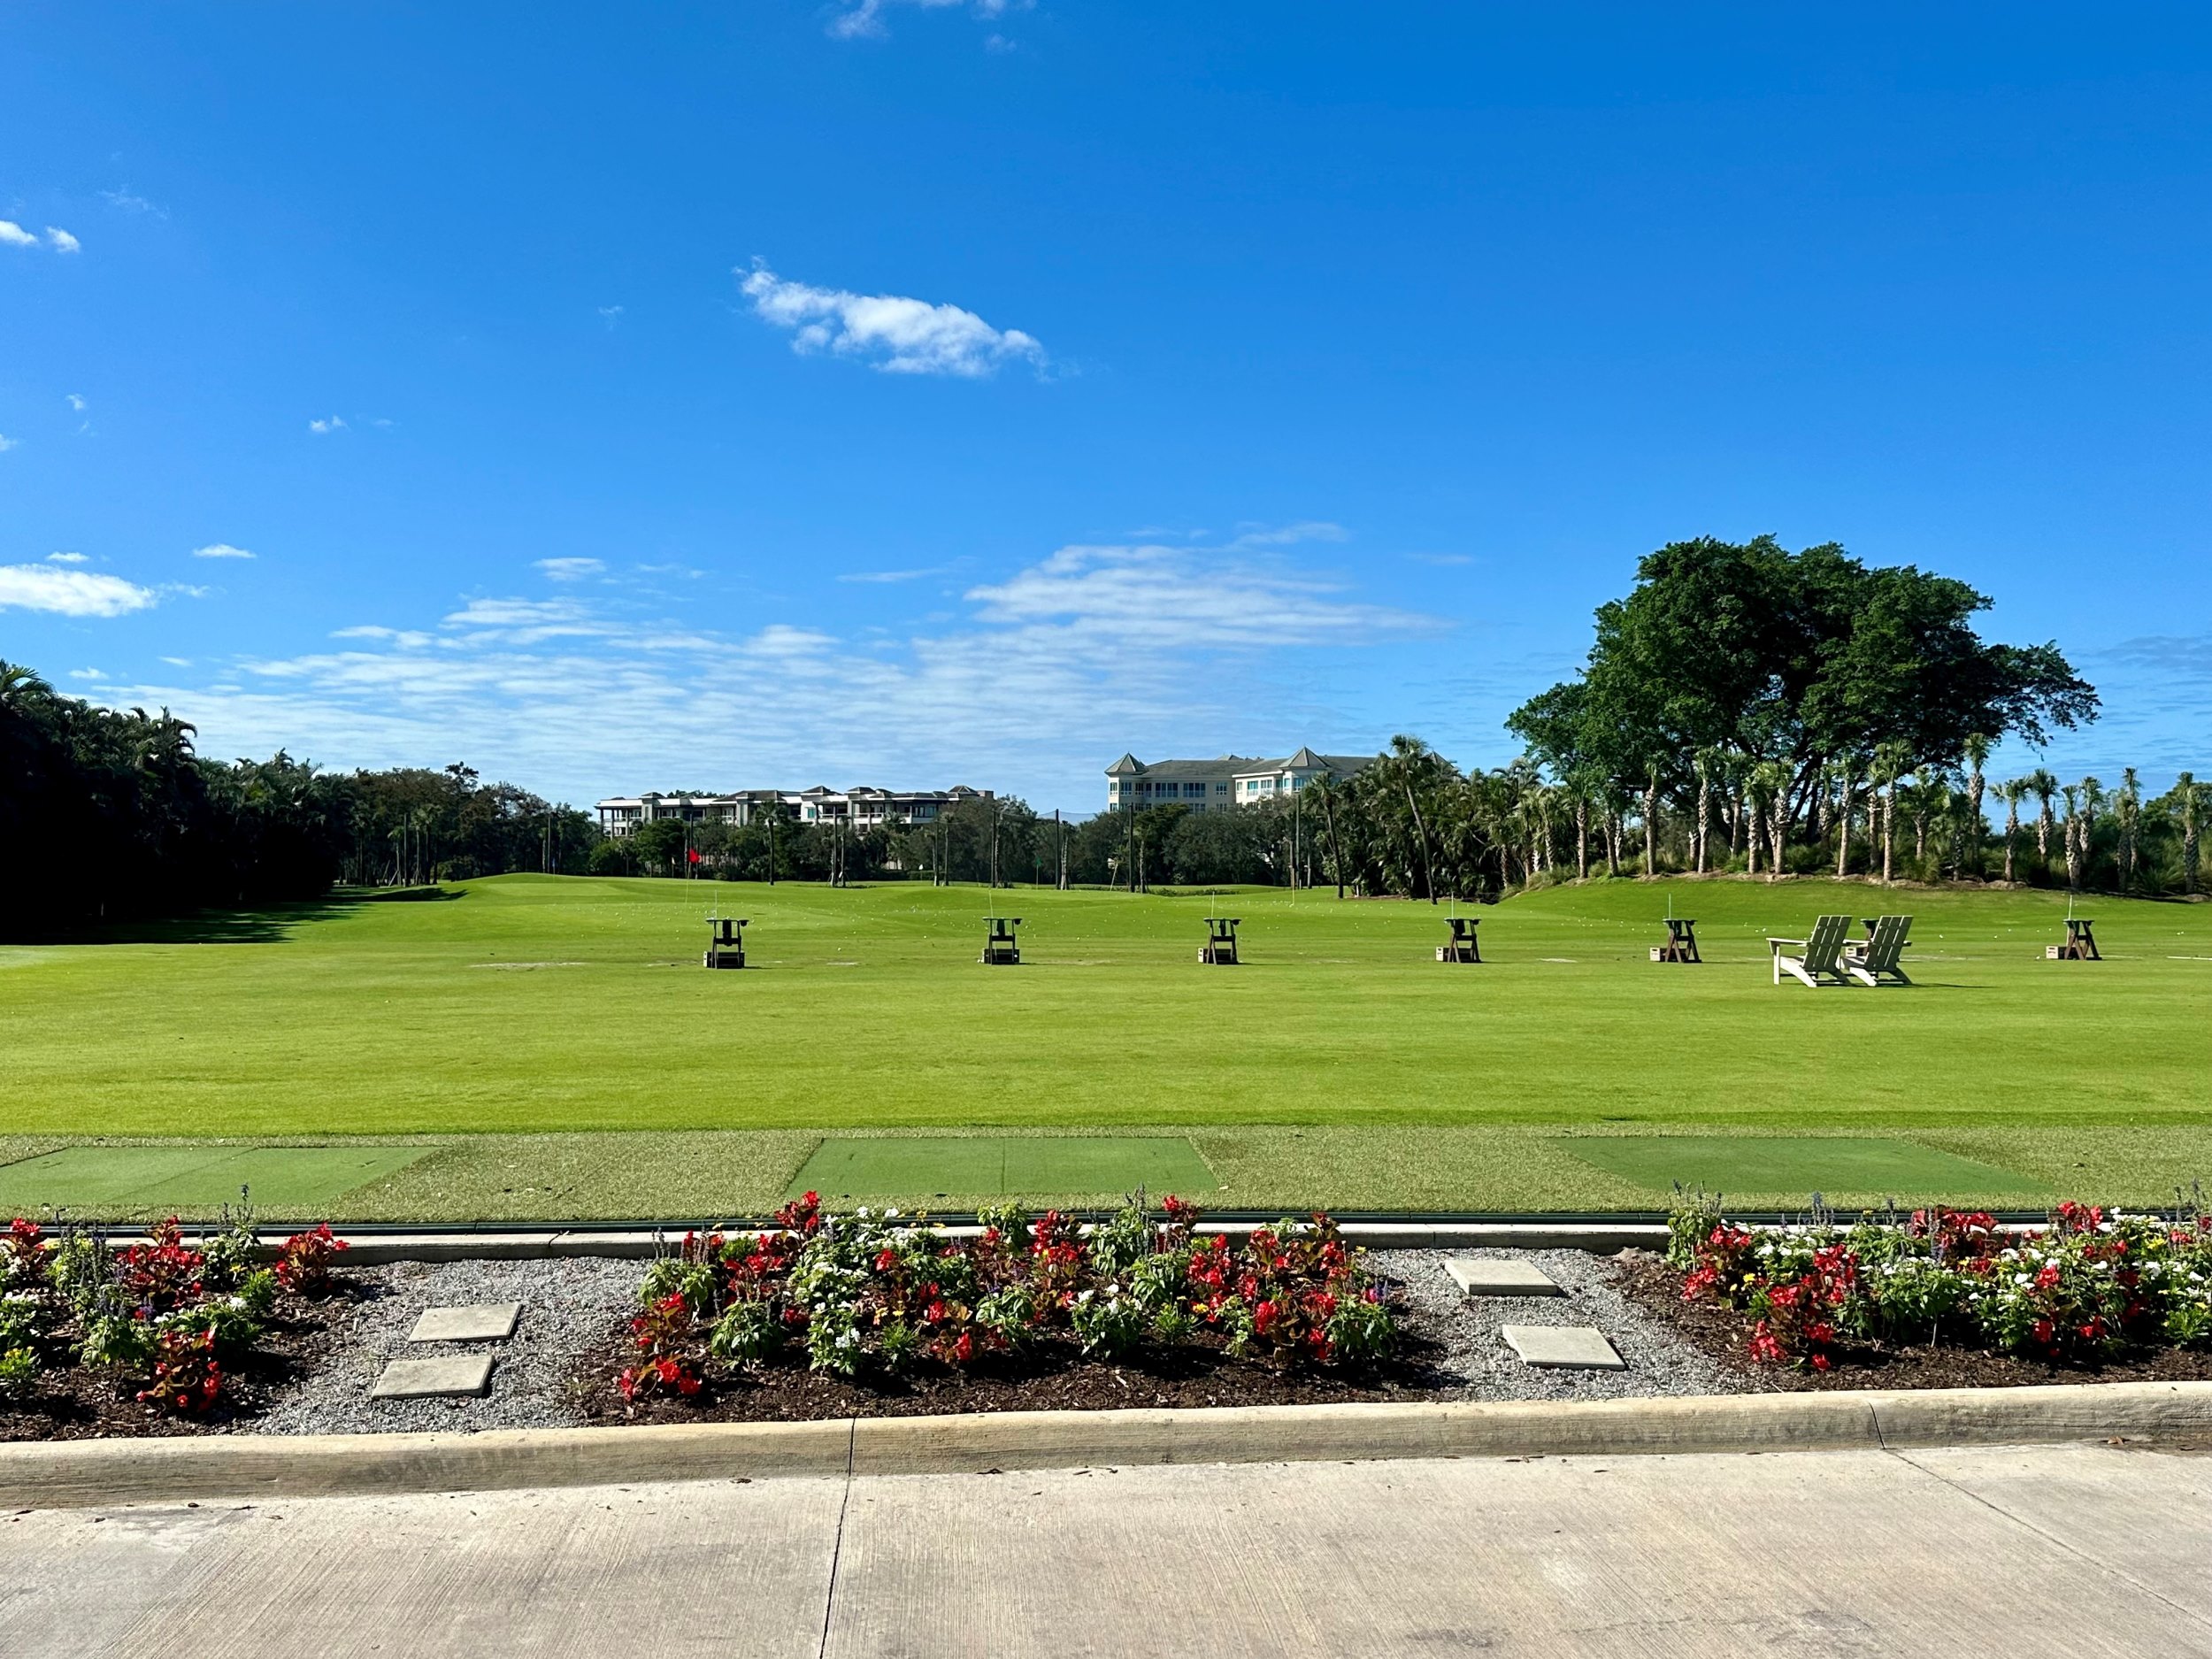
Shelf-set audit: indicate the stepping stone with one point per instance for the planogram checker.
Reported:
(448, 1375)
(1563, 1346)
(479, 1322)
(1479, 1276)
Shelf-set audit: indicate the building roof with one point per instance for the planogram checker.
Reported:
(1238, 765)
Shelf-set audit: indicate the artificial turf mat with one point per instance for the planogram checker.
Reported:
(1806, 1164)
(942, 1166)
(188, 1178)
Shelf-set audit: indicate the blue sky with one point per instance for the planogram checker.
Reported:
(708, 395)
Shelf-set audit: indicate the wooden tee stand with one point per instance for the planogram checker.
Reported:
(1463, 947)
(1681, 944)
(1220, 948)
(999, 948)
(2080, 946)
(725, 946)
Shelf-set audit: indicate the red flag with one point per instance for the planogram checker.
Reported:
(692, 853)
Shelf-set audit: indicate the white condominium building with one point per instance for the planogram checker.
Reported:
(1231, 781)
(860, 808)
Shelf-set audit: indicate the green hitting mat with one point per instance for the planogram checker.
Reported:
(1794, 1165)
(97, 1180)
(985, 1166)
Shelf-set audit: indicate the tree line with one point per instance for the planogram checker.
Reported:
(110, 814)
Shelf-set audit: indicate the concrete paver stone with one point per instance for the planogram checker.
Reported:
(479, 1322)
(1479, 1276)
(427, 1379)
(1563, 1346)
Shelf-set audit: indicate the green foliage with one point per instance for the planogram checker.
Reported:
(117, 1341)
(18, 1372)
(672, 1276)
(747, 1333)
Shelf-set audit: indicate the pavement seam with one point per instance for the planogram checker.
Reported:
(837, 1544)
(2065, 1547)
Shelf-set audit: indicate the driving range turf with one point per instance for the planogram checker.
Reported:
(545, 1048)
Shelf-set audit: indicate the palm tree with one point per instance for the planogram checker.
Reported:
(1976, 749)
(1651, 820)
(2043, 787)
(1889, 764)
(2128, 810)
(1846, 773)
(2191, 800)
(1705, 762)
(2011, 792)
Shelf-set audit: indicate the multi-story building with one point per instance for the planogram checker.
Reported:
(1231, 781)
(861, 807)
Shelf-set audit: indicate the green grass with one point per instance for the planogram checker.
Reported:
(1800, 1164)
(559, 1044)
(196, 1177)
(968, 1167)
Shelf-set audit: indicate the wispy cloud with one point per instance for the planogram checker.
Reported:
(130, 203)
(891, 334)
(572, 570)
(7, 443)
(863, 20)
(611, 313)
(69, 593)
(62, 241)
(893, 576)
(334, 423)
(65, 558)
(1441, 559)
(220, 550)
(1046, 673)
(77, 403)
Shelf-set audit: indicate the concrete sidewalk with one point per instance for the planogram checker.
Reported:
(2074, 1550)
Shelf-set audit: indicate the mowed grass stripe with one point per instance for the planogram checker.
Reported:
(966, 1167)
(1807, 1164)
(115, 1179)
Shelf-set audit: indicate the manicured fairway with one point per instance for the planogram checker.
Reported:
(865, 1167)
(1810, 1163)
(1341, 1064)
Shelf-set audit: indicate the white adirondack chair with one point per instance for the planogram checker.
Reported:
(1816, 960)
(1874, 961)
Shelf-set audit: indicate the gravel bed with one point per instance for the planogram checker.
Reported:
(1660, 1362)
(567, 1307)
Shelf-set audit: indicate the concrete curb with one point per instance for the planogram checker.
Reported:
(76, 1474)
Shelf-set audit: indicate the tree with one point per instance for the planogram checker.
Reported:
(2012, 791)
(1799, 659)
(1976, 749)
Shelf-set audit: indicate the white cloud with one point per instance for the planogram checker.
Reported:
(178, 661)
(1043, 675)
(77, 403)
(335, 423)
(863, 20)
(131, 203)
(65, 558)
(220, 550)
(69, 593)
(1288, 534)
(62, 240)
(86, 673)
(15, 236)
(891, 334)
(7, 443)
(572, 570)
(611, 312)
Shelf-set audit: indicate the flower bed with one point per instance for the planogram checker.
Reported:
(161, 1336)
(1950, 1291)
(801, 1319)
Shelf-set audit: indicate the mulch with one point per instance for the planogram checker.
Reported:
(73, 1402)
(1723, 1334)
(1051, 1376)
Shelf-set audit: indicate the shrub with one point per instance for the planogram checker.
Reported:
(161, 1271)
(2085, 1286)
(18, 1372)
(663, 1334)
(304, 1261)
(26, 1255)
(187, 1378)
(117, 1341)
